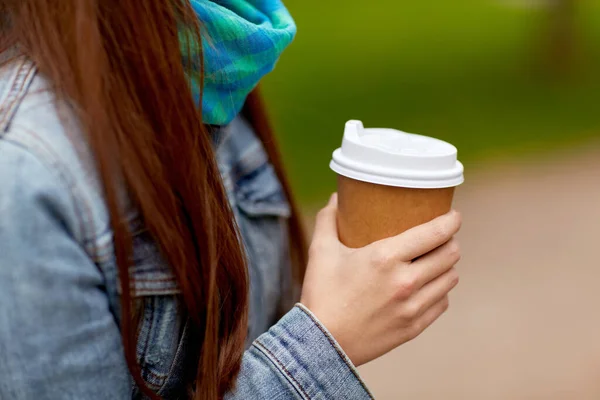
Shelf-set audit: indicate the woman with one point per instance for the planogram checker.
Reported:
(144, 232)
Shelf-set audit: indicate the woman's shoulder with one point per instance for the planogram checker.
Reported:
(42, 144)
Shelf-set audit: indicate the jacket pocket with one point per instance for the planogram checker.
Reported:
(159, 314)
(152, 276)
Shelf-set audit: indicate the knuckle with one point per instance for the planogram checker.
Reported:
(453, 278)
(454, 251)
(445, 304)
(416, 329)
(411, 311)
(406, 287)
(459, 219)
(381, 258)
(440, 231)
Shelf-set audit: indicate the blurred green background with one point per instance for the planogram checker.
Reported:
(496, 78)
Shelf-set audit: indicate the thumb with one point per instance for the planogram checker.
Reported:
(326, 222)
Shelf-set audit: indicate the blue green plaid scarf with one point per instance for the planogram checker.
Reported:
(242, 41)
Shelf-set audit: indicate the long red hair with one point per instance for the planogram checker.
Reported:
(120, 62)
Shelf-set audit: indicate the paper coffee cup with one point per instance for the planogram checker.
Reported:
(390, 181)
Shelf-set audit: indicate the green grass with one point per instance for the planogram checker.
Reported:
(460, 70)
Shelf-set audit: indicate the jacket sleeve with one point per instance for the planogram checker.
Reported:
(59, 338)
(298, 359)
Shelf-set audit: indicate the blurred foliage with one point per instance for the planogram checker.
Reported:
(465, 71)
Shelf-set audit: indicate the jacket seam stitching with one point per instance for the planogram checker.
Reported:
(53, 163)
(16, 92)
(180, 349)
(157, 280)
(53, 171)
(342, 356)
(147, 341)
(104, 251)
(272, 357)
(155, 292)
(160, 377)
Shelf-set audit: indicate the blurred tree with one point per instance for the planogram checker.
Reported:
(560, 51)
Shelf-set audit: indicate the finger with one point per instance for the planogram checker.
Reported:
(429, 317)
(433, 292)
(423, 238)
(434, 264)
(326, 221)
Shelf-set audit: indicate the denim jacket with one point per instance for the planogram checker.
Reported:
(59, 294)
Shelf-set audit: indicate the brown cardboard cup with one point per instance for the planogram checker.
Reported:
(390, 181)
(368, 212)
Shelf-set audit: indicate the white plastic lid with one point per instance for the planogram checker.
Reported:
(394, 158)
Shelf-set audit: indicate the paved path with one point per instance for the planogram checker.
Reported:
(524, 324)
